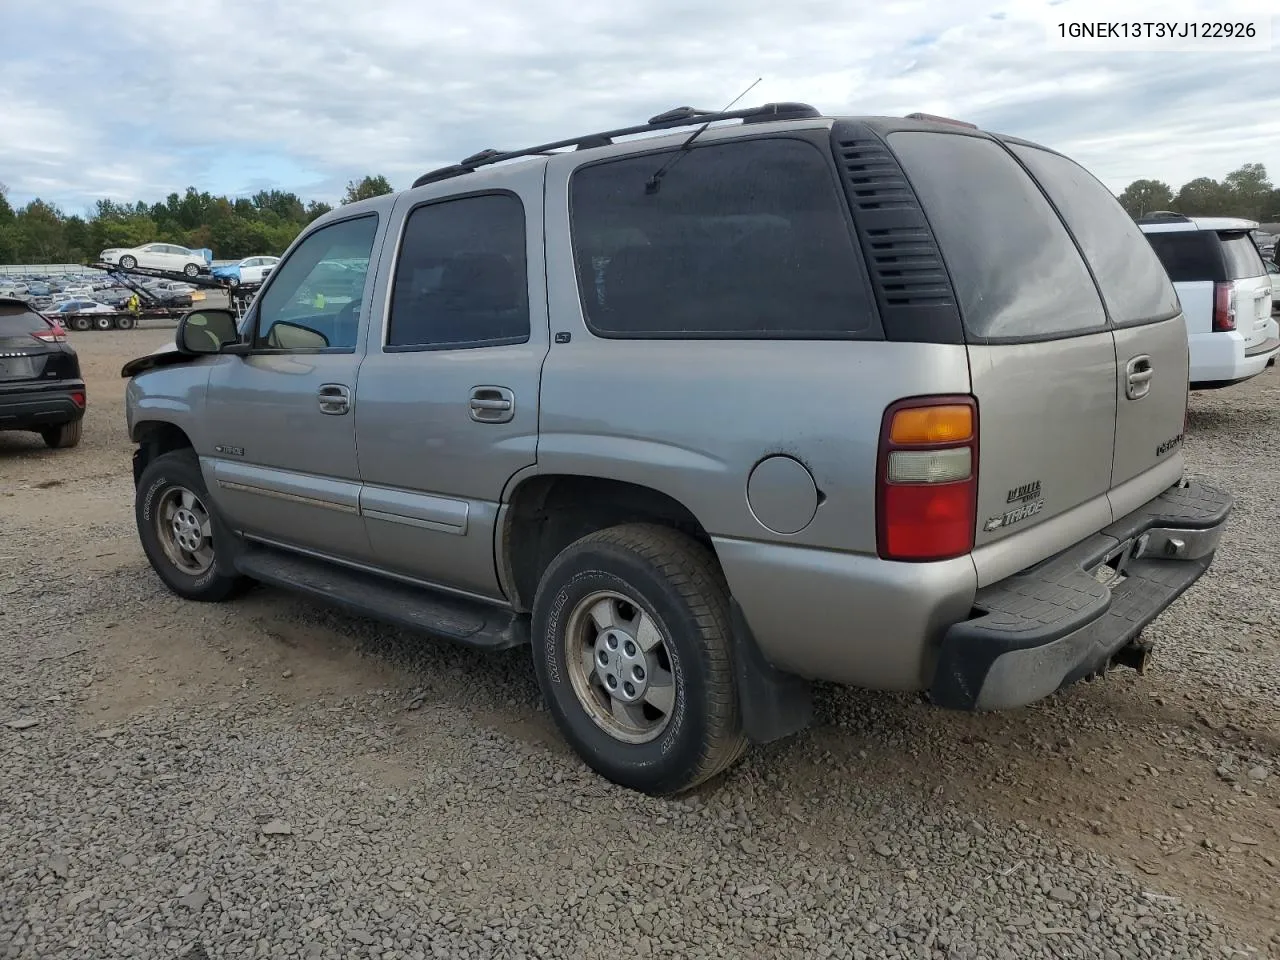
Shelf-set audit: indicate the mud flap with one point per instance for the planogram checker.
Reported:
(772, 704)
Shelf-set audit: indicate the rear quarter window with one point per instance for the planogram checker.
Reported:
(743, 240)
(1134, 284)
(1243, 262)
(1016, 272)
(1189, 256)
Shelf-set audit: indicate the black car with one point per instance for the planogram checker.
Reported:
(41, 388)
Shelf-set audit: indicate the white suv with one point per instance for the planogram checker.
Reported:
(1225, 292)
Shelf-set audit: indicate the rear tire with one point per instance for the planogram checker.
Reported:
(125, 323)
(631, 646)
(191, 270)
(63, 436)
(103, 322)
(80, 323)
(180, 532)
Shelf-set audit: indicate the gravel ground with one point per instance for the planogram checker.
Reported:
(273, 778)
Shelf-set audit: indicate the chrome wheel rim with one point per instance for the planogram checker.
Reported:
(619, 663)
(185, 531)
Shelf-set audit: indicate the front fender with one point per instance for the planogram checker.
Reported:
(171, 395)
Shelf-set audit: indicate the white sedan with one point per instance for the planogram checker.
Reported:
(157, 256)
(248, 270)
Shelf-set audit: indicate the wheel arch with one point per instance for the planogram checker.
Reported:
(154, 439)
(544, 513)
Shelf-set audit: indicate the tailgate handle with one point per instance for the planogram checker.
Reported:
(1138, 372)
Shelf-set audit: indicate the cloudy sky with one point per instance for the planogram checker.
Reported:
(138, 98)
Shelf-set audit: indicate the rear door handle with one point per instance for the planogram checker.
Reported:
(334, 398)
(1138, 373)
(492, 404)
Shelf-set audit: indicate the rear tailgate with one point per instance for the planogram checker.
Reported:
(1151, 344)
(22, 356)
(1041, 355)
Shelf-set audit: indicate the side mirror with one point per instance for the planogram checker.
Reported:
(206, 331)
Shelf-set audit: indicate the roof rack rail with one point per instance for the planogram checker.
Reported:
(671, 119)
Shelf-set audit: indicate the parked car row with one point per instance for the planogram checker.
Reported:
(69, 293)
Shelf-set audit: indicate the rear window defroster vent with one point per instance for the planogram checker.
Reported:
(906, 269)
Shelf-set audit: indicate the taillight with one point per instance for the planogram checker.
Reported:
(77, 397)
(927, 483)
(1224, 308)
(54, 335)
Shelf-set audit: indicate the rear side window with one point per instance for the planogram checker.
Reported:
(746, 239)
(17, 320)
(1016, 272)
(1241, 255)
(1134, 284)
(1189, 256)
(461, 280)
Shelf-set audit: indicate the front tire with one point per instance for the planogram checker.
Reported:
(64, 436)
(180, 532)
(128, 263)
(631, 645)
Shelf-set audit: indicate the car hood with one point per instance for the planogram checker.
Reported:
(165, 355)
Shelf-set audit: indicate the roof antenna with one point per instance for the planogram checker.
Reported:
(654, 182)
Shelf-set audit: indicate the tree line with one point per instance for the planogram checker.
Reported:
(1245, 192)
(265, 223)
(268, 221)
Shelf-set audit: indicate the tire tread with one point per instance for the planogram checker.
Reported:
(63, 436)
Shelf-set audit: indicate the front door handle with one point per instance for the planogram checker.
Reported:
(492, 404)
(335, 399)
(1138, 373)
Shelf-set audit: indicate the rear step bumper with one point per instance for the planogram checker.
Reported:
(1067, 617)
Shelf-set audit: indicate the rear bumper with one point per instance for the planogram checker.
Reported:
(1058, 622)
(1221, 359)
(34, 409)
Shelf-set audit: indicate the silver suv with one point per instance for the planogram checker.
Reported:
(702, 418)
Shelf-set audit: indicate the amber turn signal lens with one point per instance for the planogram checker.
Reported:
(952, 423)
